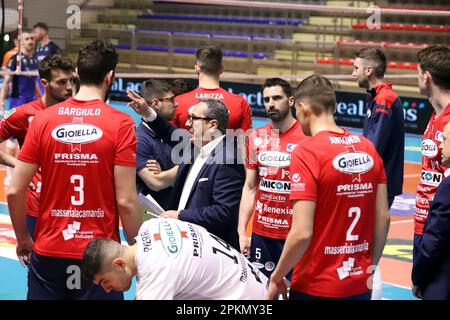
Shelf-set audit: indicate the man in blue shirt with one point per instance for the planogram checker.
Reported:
(384, 123)
(159, 96)
(45, 47)
(383, 126)
(23, 88)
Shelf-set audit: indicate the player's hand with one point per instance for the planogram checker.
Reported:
(153, 166)
(138, 104)
(275, 289)
(170, 214)
(244, 245)
(23, 250)
(416, 292)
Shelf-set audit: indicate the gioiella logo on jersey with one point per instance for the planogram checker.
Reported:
(171, 237)
(76, 133)
(353, 162)
(276, 159)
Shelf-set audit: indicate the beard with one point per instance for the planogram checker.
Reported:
(277, 115)
(363, 83)
(425, 91)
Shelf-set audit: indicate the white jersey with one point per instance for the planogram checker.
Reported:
(180, 260)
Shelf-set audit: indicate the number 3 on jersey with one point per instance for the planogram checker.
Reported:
(78, 198)
(357, 212)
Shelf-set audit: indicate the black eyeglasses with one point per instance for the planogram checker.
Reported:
(192, 118)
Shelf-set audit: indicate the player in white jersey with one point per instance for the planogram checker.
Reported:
(173, 259)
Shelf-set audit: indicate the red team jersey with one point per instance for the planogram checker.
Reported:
(432, 169)
(341, 173)
(270, 154)
(15, 124)
(240, 113)
(77, 144)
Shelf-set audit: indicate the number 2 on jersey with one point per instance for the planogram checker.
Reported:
(78, 181)
(357, 212)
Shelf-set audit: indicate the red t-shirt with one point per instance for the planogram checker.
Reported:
(240, 113)
(77, 144)
(270, 153)
(15, 123)
(432, 169)
(341, 173)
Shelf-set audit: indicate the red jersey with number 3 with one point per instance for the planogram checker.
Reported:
(240, 113)
(341, 173)
(432, 169)
(77, 144)
(15, 123)
(270, 153)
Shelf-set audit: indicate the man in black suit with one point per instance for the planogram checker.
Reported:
(431, 266)
(208, 183)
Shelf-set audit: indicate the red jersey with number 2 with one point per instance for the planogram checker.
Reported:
(341, 173)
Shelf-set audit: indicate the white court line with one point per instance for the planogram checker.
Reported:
(402, 221)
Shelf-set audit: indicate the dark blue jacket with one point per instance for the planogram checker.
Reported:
(214, 200)
(431, 267)
(384, 127)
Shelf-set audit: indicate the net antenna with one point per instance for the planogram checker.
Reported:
(19, 35)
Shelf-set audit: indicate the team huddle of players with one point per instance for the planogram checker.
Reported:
(319, 194)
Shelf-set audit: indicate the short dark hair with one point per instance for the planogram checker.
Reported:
(209, 59)
(318, 92)
(180, 86)
(217, 110)
(94, 256)
(155, 89)
(272, 82)
(54, 62)
(95, 59)
(436, 60)
(41, 25)
(377, 59)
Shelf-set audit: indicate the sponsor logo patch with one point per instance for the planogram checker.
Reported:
(429, 148)
(171, 237)
(353, 162)
(275, 186)
(76, 133)
(276, 159)
(431, 178)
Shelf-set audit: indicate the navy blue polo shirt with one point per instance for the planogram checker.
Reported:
(46, 50)
(150, 146)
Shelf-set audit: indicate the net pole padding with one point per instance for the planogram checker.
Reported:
(19, 35)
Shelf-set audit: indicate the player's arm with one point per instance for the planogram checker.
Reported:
(382, 222)
(4, 91)
(382, 125)
(295, 246)
(16, 197)
(7, 159)
(246, 208)
(158, 181)
(127, 202)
